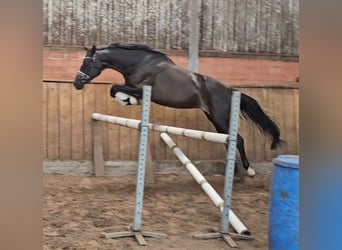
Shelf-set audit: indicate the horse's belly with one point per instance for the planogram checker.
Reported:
(176, 99)
(177, 103)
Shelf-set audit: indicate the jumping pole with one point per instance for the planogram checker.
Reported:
(239, 227)
(136, 228)
(191, 133)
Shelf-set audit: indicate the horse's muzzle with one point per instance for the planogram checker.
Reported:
(80, 80)
(78, 85)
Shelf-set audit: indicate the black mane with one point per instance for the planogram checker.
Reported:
(132, 46)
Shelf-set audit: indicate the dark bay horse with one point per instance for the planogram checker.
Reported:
(172, 86)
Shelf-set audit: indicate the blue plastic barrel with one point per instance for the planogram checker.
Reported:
(283, 232)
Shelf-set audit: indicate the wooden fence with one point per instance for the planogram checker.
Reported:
(258, 26)
(68, 131)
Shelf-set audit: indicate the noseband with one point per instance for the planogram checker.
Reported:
(83, 76)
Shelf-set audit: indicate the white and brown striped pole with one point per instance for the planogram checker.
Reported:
(191, 133)
(200, 179)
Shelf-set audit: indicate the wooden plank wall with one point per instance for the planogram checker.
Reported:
(259, 26)
(68, 132)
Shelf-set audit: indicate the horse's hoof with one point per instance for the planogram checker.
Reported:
(251, 172)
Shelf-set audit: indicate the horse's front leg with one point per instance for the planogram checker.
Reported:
(126, 95)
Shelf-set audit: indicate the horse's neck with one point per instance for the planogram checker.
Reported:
(119, 61)
(127, 60)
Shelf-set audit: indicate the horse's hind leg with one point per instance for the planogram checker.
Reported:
(221, 126)
(241, 148)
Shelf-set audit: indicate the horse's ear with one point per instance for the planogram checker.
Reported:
(93, 50)
(85, 48)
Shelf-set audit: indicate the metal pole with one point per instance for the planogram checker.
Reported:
(144, 127)
(194, 34)
(142, 157)
(229, 175)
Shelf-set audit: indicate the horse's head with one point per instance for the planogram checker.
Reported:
(90, 68)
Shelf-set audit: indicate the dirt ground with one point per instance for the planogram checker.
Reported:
(77, 209)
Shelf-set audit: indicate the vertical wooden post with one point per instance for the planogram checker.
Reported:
(98, 160)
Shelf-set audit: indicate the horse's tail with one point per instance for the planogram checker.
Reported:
(251, 110)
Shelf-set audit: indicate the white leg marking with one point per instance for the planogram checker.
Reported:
(125, 99)
(133, 100)
(251, 172)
